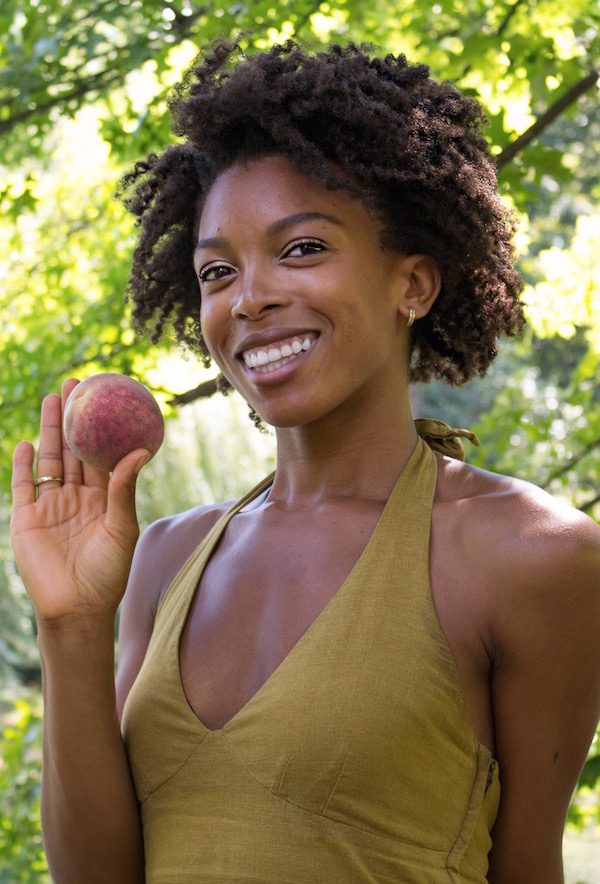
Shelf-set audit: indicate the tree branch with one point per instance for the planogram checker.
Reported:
(475, 24)
(183, 27)
(208, 388)
(92, 84)
(572, 462)
(555, 110)
(586, 507)
(509, 14)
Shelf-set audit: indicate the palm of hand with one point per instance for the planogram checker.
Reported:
(73, 558)
(73, 544)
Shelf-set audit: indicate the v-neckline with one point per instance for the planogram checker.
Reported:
(333, 602)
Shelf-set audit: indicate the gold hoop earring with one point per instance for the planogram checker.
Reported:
(412, 313)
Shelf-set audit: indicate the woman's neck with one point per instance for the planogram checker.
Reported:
(345, 457)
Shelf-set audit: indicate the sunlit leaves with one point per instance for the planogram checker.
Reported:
(21, 851)
(568, 293)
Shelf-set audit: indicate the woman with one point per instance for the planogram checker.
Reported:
(329, 679)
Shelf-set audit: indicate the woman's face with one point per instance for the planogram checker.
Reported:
(299, 304)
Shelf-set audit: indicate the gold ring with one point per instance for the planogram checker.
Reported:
(43, 479)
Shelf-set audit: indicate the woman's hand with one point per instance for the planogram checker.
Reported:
(73, 544)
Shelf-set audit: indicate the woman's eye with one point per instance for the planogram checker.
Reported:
(304, 247)
(214, 272)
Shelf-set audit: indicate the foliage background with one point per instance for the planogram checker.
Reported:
(83, 89)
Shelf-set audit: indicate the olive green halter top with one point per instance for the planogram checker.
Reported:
(354, 762)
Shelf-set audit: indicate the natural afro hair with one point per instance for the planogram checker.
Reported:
(411, 148)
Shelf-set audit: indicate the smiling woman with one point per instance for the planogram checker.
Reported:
(296, 263)
(364, 669)
(410, 148)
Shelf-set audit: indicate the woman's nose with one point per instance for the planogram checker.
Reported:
(256, 297)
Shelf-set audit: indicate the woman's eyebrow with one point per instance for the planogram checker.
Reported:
(211, 242)
(290, 220)
(219, 242)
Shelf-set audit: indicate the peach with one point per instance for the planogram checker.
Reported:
(108, 415)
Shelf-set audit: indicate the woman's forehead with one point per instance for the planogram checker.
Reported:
(270, 187)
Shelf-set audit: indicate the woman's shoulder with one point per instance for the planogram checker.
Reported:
(161, 552)
(182, 529)
(525, 552)
(515, 512)
(165, 546)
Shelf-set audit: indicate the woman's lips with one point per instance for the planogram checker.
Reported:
(270, 357)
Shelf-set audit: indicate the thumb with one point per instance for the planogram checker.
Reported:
(120, 509)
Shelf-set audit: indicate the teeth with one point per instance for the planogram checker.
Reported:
(274, 357)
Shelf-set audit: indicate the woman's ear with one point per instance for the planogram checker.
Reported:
(422, 284)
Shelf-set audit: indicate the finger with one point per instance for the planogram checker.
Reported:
(95, 478)
(73, 471)
(121, 516)
(22, 484)
(50, 456)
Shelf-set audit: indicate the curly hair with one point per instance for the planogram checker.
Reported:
(410, 147)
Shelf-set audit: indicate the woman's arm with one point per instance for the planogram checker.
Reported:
(546, 689)
(90, 818)
(73, 546)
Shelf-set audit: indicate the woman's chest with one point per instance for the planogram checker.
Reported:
(263, 587)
